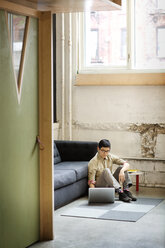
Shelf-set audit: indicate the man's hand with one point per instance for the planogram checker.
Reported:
(121, 176)
(91, 185)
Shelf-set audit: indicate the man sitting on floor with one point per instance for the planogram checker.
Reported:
(100, 172)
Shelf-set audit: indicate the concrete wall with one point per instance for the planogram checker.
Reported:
(131, 117)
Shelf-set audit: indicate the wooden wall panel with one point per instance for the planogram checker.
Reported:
(45, 127)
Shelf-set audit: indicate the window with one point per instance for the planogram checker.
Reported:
(161, 4)
(17, 27)
(130, 38)
(123, 43)
(94, 48)
(148, 20)
(109, 50)
(161, 42)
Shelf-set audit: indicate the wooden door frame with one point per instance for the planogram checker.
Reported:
(45, 113)
(45, 126)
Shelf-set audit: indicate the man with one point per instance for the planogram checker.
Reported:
(100, 169)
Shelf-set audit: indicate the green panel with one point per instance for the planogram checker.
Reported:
(19, 166)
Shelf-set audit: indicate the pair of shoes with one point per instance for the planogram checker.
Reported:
(129, 194)
(123, 197)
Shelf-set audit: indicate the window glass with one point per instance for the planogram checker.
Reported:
(161, 42)
(106, 35)
(149, 34)
(161, 4)
(17, 28)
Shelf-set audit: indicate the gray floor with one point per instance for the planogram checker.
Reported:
(148, 232)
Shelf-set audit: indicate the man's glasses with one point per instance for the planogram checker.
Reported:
(104, 151)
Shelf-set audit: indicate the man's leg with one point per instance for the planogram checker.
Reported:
(127, 183)
(106, 179)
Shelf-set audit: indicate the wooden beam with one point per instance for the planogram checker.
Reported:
(58, 6)
(121, 79)
(18, 9)
(45, 127)
(117, 2)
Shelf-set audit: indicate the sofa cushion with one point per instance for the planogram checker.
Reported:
(63, 178)
(57, 158)
(80, 168)
(69, 193)
(76, 150)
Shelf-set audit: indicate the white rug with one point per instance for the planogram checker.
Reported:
(115, 211)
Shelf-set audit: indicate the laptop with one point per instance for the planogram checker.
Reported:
(101, 195)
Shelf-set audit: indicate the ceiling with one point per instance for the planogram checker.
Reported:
(57, 6)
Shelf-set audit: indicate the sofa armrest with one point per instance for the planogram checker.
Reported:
(76, 150)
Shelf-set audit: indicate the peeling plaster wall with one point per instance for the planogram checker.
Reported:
(146, 134)
(132, 117)
(149, 134)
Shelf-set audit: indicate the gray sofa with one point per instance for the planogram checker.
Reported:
(71, 169)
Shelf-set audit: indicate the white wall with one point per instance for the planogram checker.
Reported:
(120, 104)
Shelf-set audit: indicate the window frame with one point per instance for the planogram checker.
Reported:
(129, 68)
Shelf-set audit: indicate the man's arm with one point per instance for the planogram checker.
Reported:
(125, 164)
(91, 174)
(121, 174)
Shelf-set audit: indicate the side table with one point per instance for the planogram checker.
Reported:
(136, 173)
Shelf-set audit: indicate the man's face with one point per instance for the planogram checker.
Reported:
(103, 151)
